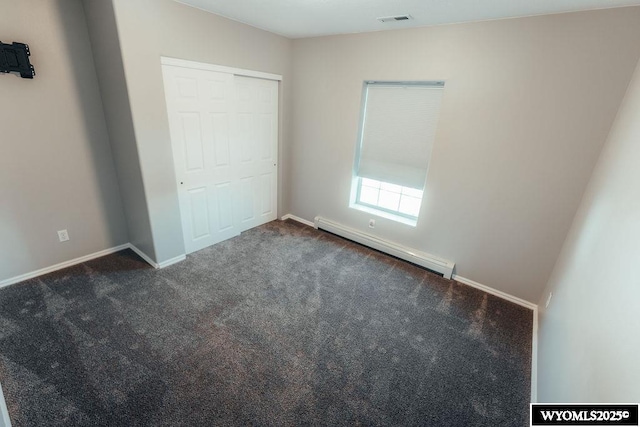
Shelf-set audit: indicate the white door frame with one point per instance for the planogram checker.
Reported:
(218, 68)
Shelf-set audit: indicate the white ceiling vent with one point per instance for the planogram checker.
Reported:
(395, 18)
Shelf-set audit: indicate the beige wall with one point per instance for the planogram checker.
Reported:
(150, 29)
(107, 55)
(589, 337)
(528, 104)
(56, 167)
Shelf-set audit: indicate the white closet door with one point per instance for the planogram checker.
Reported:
(201, 107)
(257, 126)
(224, 134)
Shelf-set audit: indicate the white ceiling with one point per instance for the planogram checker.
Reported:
(308, 18)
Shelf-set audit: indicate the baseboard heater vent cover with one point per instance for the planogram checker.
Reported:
(423, 259)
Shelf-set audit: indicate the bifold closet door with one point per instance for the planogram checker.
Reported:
(223, 135)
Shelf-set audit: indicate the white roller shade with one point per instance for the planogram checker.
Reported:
(398, 133)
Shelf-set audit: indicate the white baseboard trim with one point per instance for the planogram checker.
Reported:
(5, 421)
(62, 265)
(172, 261)
(298, 219)
(80, 260)
(154, 264)
(492, 291)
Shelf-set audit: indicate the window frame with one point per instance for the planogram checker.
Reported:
(387, 210)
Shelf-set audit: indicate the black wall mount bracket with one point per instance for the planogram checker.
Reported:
(14, 58)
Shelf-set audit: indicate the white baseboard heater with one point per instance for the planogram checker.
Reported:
(423, 259)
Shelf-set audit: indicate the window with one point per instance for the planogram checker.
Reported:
(398, 127)
(390, 197)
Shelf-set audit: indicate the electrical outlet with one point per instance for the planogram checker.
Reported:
(372, 223)
(548, 299)
(63, 235)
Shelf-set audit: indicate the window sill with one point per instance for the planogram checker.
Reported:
(383, 214)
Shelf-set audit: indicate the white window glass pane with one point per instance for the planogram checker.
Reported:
(370, 183)
(410, 206)
(369, 195)
(389, 200)
(391, 187)
(413, 192)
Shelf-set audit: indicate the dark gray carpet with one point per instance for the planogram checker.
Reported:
(284, 325)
